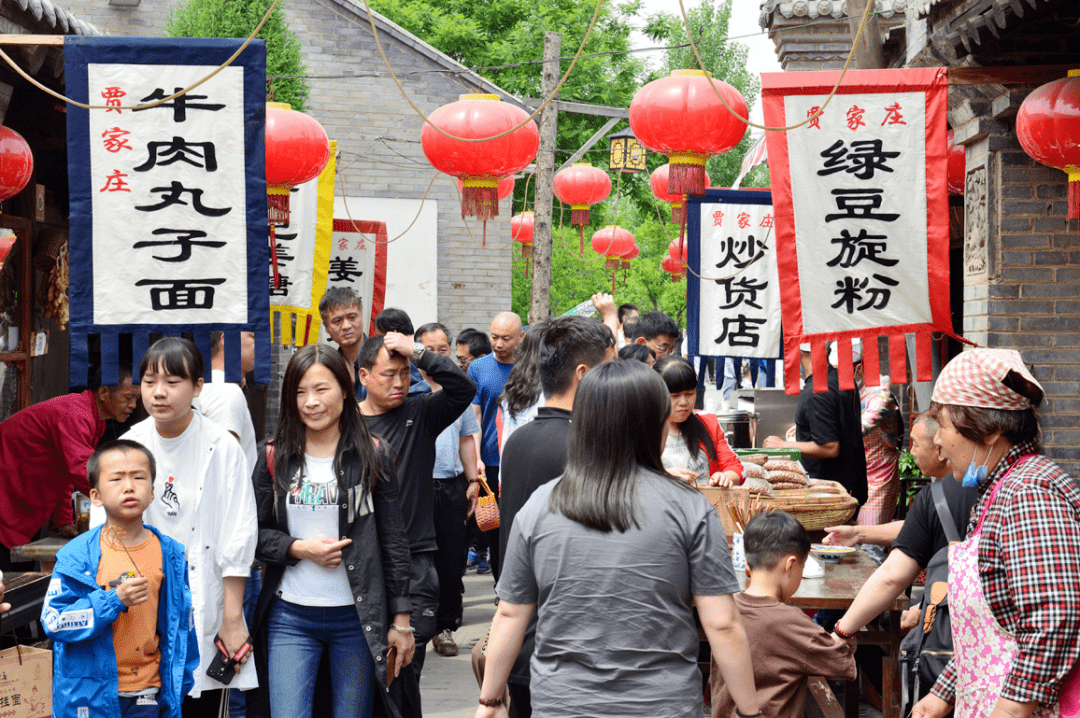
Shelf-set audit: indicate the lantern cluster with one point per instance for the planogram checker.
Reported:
(480, 165)
(581, 185)
(521, 229)
(1048, 127)
(613, 243)
(675, 263)
(682, 117)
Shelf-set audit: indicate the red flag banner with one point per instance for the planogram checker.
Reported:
(862, 249)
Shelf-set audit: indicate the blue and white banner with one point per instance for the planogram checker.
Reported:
(168, 204)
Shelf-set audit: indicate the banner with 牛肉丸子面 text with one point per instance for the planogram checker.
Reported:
(168, 203)
(733, 293)
(861, 209)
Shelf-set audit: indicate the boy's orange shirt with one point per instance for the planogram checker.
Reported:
(135, 637)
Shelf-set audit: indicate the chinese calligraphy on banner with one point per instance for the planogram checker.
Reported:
(861, 214)
(303, 254)
(358, 261)
(168, 202)
(733, 293)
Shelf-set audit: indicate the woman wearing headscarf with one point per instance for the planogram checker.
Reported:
(1014, 584)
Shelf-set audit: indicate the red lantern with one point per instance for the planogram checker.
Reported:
(1048, 127)
(479, 165)
(16, 163)
(581, 185)
(957, 165)
(673, 267)
(504, 190)
(658, 181)
(297, 150)
(682, 117)
(612, 242)
(677, 251)
(521, 228)
(632, 254)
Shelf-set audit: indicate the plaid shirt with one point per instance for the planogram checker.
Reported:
(1029, 570)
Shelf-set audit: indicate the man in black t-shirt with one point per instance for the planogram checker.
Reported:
(828, 431)
(536, 453)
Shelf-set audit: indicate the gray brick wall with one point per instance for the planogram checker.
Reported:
(473, 283)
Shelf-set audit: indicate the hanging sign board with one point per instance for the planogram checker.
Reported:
(861, 214)
(358, 261)
(168, 204)
(303, 254)
(733, 293)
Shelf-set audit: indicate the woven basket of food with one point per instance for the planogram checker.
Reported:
(820, 504)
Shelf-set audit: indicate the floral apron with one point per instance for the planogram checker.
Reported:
(983, 651)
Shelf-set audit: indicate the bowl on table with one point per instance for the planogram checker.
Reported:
(831, 554)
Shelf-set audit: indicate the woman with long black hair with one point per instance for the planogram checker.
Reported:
(332, 536)
(696, 446)
(612, 555)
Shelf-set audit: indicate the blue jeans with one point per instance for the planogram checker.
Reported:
(149, 708)
(298, 635)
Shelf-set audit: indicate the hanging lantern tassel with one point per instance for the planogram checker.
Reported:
(676, 212)
(581, 233)
(1074, 195)
(273, 255)
(687, 175)
(277, 204)
(480, 197)
(579, 214)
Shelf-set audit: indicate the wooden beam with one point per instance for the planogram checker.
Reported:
(869, 54)
(540, 290)
(582, 108)
(31, 39)
(1022, 75)
(591, 141)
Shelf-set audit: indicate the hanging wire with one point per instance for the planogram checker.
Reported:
(345, 203)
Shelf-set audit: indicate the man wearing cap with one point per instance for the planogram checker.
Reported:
(1014, 583)
(828, 431)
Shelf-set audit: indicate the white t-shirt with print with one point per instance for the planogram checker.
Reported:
(312, 511)
(176, 482)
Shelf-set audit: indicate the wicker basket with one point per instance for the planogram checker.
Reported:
(821, 505)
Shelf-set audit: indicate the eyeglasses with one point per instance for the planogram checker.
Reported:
(463, 361)
(661, 349)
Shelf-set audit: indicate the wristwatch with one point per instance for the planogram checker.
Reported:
(418, 350)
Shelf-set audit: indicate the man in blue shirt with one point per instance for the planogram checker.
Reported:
(490, 374)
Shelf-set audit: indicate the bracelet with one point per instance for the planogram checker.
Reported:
(474, 481)
(493, 702)
(747, 715)
(403, 629)
(845, 636)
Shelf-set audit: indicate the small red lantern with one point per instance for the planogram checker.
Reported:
(673, 267)
(297, 150)
(479, 165)
(957, 165)
(658, 181)
(521, 228)
(1048, 127)
(682, 117)
(16, 163)
(488, 211)
(677, 251)
(581, 185)
(612, 242)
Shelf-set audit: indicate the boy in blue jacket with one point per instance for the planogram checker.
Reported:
(119, 606)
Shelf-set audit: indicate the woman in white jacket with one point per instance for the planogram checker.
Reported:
(203, 498)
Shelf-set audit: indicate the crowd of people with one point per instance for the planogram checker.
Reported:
(310, 572)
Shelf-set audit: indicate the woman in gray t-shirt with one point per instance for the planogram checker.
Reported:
(613, 554)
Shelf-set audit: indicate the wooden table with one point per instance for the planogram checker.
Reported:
(43, 550)
(836, 590)
(25, 592)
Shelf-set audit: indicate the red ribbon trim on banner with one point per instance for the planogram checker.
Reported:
(897, 359)
(924, 355)
(844, 367)
(819, 360)
(871, 366)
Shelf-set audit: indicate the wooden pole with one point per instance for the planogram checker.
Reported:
(540, 298)
(868, 53)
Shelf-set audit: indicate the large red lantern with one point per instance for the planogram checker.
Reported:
(479, 165)
(682, 117)
(16, 163)
(489, 210)
(612, 242)
(658, 181)
(957, 165)
(581, 185)
(521, 229)
(673, 267)
(297, 150)
(1048, 127)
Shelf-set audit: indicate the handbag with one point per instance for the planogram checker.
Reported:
(487, 509)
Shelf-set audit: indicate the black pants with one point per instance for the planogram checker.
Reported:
(520, 700)
(451, 508)
(210, 704)
(424, 594)
(487, 539)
